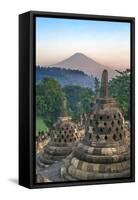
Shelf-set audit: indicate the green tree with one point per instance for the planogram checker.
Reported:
(49, 98)
(119, 88)
(79, 100)
(97, 86)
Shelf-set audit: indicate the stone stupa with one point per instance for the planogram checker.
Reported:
(104, 151)
(64, 136)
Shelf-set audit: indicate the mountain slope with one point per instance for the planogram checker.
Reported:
(84, 63)
(65, 76)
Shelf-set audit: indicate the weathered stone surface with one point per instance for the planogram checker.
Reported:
(104, 84)
(104, 151)
(64, 135)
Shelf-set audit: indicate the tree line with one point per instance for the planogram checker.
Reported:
(50, 95)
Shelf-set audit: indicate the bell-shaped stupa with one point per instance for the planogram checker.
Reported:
(64, 137)
(104, 151)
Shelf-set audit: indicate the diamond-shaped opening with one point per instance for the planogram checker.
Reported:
(97, 137)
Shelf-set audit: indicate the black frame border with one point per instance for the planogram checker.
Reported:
(30, 141)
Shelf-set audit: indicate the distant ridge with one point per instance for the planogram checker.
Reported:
(83, 63)
(65, 76)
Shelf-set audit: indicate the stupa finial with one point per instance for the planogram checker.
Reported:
(104, 84)
(64, 107)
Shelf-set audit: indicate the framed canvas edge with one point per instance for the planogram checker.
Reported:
(32, 15)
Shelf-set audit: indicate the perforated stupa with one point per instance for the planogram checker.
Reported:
(104, 151)
(64, 137)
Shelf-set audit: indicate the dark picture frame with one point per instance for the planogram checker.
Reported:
(27, 56)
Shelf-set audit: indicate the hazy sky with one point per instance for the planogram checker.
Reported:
(106, 42)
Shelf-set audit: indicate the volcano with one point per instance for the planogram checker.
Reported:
(86, 64)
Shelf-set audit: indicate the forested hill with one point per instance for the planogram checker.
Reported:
(65, 76)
